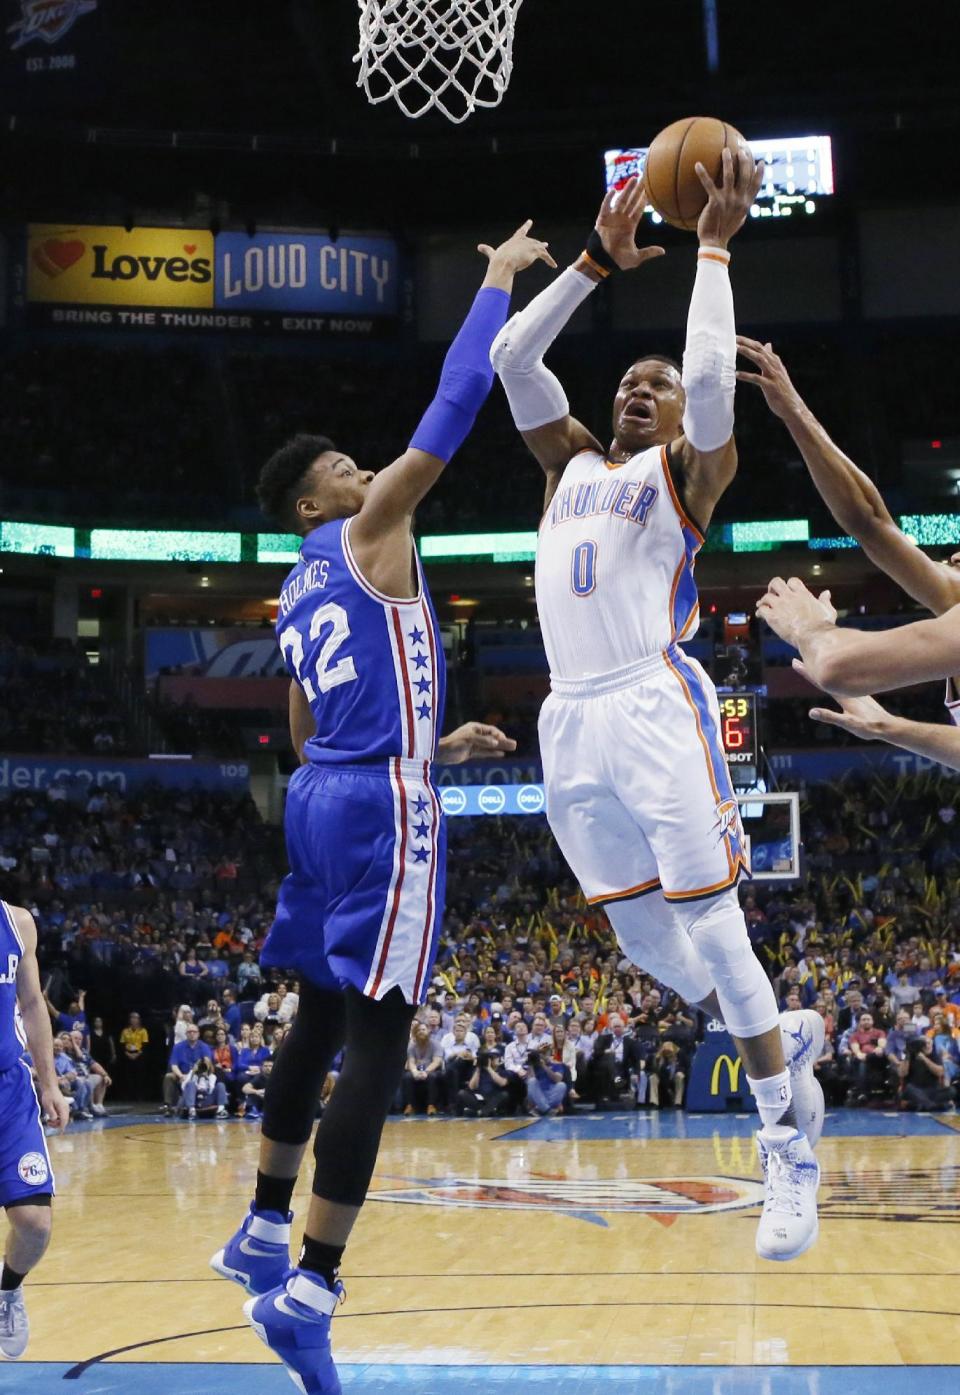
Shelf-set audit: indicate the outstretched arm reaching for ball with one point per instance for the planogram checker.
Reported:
(849, 494)
(537, 400)
(706, 455)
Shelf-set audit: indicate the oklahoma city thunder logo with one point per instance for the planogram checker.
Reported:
(728, 820)
(47, 20)
(584, 1200)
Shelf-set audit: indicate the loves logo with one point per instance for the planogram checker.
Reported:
(147, 267)
(55, 256)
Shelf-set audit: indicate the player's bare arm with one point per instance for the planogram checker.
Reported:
(854, 663)
(871, 721)
(473, 741)
(380, 535)
(302, 723)
(36, 1023)
(850, 495)
(537, 400)
(706, 454)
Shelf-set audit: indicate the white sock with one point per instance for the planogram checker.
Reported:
(773, 1096)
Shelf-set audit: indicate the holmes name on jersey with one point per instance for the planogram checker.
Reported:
(630, 500)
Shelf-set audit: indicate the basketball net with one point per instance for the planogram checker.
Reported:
(454, 55)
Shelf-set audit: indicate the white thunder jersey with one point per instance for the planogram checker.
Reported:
(638, 792)
(615, 565)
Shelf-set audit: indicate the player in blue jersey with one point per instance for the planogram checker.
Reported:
(26, 1177)
(359, 914)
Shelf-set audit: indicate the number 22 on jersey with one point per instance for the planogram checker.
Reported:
(328, 675)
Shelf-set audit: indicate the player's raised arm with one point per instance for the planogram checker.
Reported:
(465, 382)
(708, 455)
(36, 1023)
(855, 663)
(537, 400)
(850, 495)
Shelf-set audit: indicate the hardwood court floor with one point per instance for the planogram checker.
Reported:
(553, 1252)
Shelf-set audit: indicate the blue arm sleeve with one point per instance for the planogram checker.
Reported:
(466, 378)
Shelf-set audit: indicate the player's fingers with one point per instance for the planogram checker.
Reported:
(524, 228)
(646, 254)
(704, 178)
(832, 719)
(607, 205)
(756, 378)
(776, 586)
(757, 180)
(795, 584)
(824, 598)
(728, 175)
(545, 256)
(485, 249)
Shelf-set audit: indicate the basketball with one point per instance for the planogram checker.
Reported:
(670, 171)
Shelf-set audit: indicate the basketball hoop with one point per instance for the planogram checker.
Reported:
(454, 55)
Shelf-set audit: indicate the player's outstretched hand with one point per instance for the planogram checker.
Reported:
(617, 224)
(518, 252)
(860, 716)
(473, 740)
(728, 202)
(55, 1109)
(791, 610)
(773, 380)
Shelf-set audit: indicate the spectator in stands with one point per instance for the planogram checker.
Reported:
(486, 1090)
(183, 1020)
(254, 1089)
(249, 977)
(667, 1077)
(423, 1077)
(183, 1058)
(924, 1085)
(203, 1091)
(251, 1055)
(75, 1086)
(615, 1057)
(459, 1059)
(868, 1046)
(133, 1043)
(945, 1044)
(102, 1046)
(75, 1015)
(546, 1086)
(90, 1070)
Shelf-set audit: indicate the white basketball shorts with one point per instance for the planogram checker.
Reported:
(639, 796)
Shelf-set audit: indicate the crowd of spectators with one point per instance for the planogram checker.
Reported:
(52, 700)
(71, 425)
(158, 905)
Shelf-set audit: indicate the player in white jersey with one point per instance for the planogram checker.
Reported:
(855, 503)
(638, 792)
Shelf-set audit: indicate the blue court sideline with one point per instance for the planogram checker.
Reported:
(159, 1378)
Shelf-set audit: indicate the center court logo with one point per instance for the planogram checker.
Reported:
(453, 800)
(32, 1169)
(638, 1195)
(492, 800)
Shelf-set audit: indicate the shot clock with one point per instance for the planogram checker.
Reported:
(738, 732)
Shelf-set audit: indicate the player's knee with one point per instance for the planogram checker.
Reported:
(655, 939)
(32, 1225)
(719, 933)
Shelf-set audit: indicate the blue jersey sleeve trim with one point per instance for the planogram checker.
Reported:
(364, 584)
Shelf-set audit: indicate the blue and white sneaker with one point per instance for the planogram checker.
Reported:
(789, 1224)
(803, 1036)
(293, 1320)
(258, 1256)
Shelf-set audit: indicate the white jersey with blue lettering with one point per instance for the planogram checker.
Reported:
(639, 796)
(615, 560)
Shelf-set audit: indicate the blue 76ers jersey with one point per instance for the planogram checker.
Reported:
(371, 666)
(12, 1040)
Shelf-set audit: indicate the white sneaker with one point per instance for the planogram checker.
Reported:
(791, 1175)
(221, 1113)
(98, 1110)
(14, 1327)
(803, 1035)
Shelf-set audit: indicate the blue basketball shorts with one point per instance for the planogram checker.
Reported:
(363, 903)
(25, 1169)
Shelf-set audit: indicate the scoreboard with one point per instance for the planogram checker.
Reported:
(738, 732)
